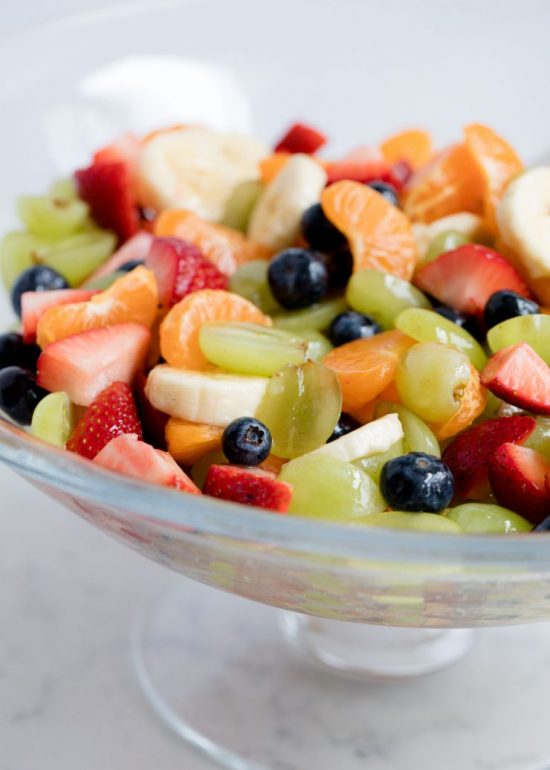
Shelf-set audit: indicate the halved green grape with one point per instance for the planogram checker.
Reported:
(16, 255)
(422, 522)
(241, 203)
(250, 282)
(318, 344)
(417, 436)
(427, 326)
(382, 296)
(53, 419)
(200, 467)
(57, 217)
(493, 406)
(431, 379)
(485, 518)
(104, 281)
(63, 189)
(248, 348)
(532, 329)
(540, 437)
(373, 465)
(316, 317)
(80, 255)
(445, 241)
(326, 488)
(301, 407)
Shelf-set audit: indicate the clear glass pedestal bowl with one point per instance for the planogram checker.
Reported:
(369, 604)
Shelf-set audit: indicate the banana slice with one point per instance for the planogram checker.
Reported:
(370, 439)
(275, 220)
(205, 397)
(196, 169)
(470, 225)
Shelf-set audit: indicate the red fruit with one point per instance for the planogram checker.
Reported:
(301, 138)
(83, 365)
(249, 486)
(125, 148)
(128, 455)
(136, 248)
(518, 480)
(35, 303)
(465, 278)
(153, 421)
(112, 413)
(469, 454)
(181, 268)
(108, 189)
(520, 377)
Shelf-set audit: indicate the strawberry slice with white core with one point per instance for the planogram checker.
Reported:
(520, 377)
(518, 480)
(136, 248)
(35, 303)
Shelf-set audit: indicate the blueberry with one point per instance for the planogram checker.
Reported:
(340, 267)
(417, 482)
(507, 304)
(19, 394)
(246, 441)
(319, 231)
(131, 265)
(544, 526)
(14, 352)
(298, 278)
(468, 323)
(350, 326)
(39, 278)
(385, 189)
(345, 425)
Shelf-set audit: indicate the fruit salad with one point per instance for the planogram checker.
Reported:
(361, 339)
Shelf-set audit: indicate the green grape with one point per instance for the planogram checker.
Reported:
(540, 437)
(247, 348)
(326, 488)
(57, 217)
(201, 466)
(16, 255)
(422, 522)
(301, 407)
(250, 282)
(63, 189)
(318, 344)
(80, 255)
(373, 464)
(104, 281)
(316, 317)
(492, 408)
(382, 296)
(427, 326)
(532, 329)
(483, 518)
(445, 241)
(431, 379)
(53, 419)
(417, 436)
(241, 203)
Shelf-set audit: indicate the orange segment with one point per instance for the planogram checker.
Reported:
(188, 441)
(270, 166)
(413, 146)
(366, 367)
(273, 464)
(380, 236)
(133, 297)
(497, 163)
(472, 404)
(366, 413)
(179, 332)
(448, 184)
(225, 247)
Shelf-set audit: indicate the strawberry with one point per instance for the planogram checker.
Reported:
(107, 188)
(301, 138)
(136, 248)
(83, 365)
(112, 413)
(125, 148)
(517, 477)
(249, 486)
(181, 268)
(520, 377)
(128, 455)
(465, 278)
(469, 454)
(35, 303)
(153, 421)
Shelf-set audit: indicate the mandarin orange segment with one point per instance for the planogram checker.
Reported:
(450, 183)
(179, 332)
(188, 441)
(380, 235)
(225, 247)
(366, 413)
(413, 146)
(472, 404)
(273, 464)
(133, 297)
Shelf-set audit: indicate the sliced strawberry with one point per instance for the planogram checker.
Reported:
(108, 189)
(153, 421)
(128, 455)
(125, 148)
(111, 414)
(465, 278)
(520, 377)
(180, 268)
(35, 303)
(249, 486)
(517, 477)
(469, 454)
(301, 138)
(83, 365)
(136, 248)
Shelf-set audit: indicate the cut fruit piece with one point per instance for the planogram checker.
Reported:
(127, 455)
(135, 249)
(271, 166)
(189, 441)
(107, 188)
(377, 436)
(204, 397)
(17, 254)
(472, 404)
(421, 522)
(240, 205)
(540, 438)
(112, 413)
(469, 226)
(317, 317)
(134, 297)
(301, 138)
(57, 217)
(484, 519)
(380, 235)
(520, 377)
(413, 146)
(200, 468)
(318, 346)
(35, 303)
(180, 330)
(85, 364)
(373, 464)
(250, 281)
(53, 420)
(383, 296)
(517, 476)
(363, 164)
(531, 329)
(152, 420)
(248, 486)
(417, 436)
(77, 257)
(469, 454)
